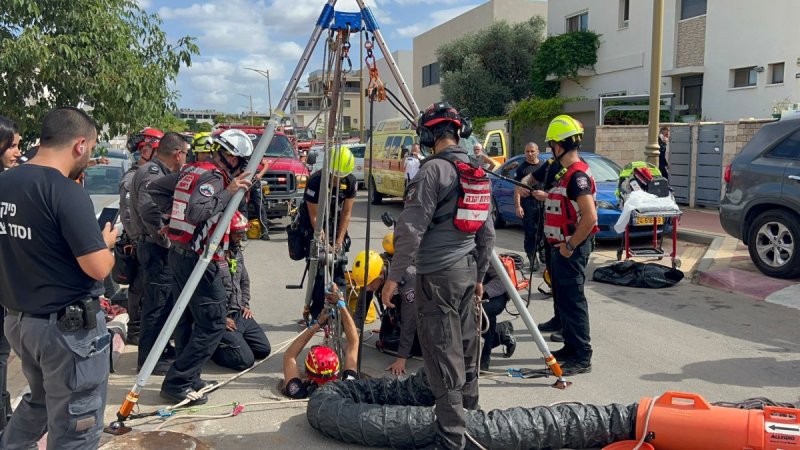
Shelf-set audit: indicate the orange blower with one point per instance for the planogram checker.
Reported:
(682, 421)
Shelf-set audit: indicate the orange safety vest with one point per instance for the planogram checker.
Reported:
(183, 232)
(562, 214)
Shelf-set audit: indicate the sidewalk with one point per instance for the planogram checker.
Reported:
(728, 266)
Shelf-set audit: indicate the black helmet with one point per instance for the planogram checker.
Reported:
(438, 115)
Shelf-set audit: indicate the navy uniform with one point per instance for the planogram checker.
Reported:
(449, 264)
(130, 236)
(241, 346)
(199, 199)
(152, 249)
(495, 298)
(532, 210)
(55, 326)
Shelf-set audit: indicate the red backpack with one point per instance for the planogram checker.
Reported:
(474, 191)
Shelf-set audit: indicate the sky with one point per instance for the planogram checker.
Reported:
(271, 35)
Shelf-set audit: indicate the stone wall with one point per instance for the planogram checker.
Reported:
(691, 47)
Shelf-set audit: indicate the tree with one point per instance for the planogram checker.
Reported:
(204, 127)
(484, 71)
(192, 125)
(169, 122)
(107, 55)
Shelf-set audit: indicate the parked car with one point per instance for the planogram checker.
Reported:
(358, 150)
(606, 175)
(761, 202)
(102, 182)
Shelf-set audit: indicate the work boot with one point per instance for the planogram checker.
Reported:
(557, 336)
(202, 384)
(563, 353)
(571, 368)
(5, 409)
(550, 326)
(179, 396)
(506, 331)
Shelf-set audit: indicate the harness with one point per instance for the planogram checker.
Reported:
(562, 214)
(474, 196)
(181, 231)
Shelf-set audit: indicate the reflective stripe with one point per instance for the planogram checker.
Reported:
(471, 215)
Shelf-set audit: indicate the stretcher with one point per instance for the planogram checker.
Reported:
(668, 218)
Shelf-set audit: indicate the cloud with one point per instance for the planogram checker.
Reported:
(436, 18)
(144, 4)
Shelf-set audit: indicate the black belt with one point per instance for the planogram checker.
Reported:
(46, 316)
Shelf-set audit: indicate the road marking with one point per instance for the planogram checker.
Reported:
(788, 296)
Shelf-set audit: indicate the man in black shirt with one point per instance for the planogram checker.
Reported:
(527, 207)
(49, 230)
(342, 190)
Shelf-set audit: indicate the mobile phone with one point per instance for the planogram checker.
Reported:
(108, 214)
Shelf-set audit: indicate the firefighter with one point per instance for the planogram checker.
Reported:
(152, 247)
(342, 189)
(570, 222)
(142, 150)
(202, 190)
(448, 235)
(201, 147)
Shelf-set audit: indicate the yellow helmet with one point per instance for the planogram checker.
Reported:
(562, 128)
(342, 161)
(202, 143)
(388, 243)
(360, 267)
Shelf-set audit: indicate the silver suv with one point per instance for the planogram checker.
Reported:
(761, 204)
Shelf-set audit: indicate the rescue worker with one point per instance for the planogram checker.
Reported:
(450, 246)
(321, 363)
(153, 246)
(494, 299)
(528, 208)
(55, 326)
(200, 191)
(401, 310)
(142, 151)
(244, 341)
(570, 222)
(201, 147)
(342, 189)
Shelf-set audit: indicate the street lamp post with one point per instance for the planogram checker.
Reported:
(251, 106)
(264, 73)
(652, 148)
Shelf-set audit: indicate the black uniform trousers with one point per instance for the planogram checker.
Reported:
(568, 281)
(548, 264)
(202, 325)
(491, 338)
(134, 306)
(5, 352)
(67, 372)
(530, 223)
(158, 297)
(240, 348)
(318, 291)
(448, 335)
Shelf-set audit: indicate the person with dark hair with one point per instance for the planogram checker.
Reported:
(9, 154)
(449, 240)
(527, 207)
(55, 326)
(9, 144)
(153, 246)
(663, 140)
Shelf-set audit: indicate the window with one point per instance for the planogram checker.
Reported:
(776, 73)
(744, 77)
(692, 8)
(495, 147)
(430, 74)
(789, 148)
(578, 22)
(624, 13)
(347, 103)
(692, 94)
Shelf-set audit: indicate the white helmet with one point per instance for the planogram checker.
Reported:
(234, 142)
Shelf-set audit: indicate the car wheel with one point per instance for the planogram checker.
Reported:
(497, 218)
(774, 244)
(375, 197)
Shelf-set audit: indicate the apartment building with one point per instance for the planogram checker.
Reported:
(384, 110)
(200, 115)
(306, 105)
(427, 76)
(723, 59)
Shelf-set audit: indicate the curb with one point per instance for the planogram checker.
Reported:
(714, 242)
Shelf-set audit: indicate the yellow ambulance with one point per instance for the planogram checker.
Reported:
(388, 140)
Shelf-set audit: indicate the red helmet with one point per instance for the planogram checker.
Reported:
(239, 223)
(147, 136)
(322, 364)
(438, 113)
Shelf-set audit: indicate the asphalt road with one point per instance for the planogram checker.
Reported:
(687, 338)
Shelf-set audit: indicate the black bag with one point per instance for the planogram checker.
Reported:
(389, 335)
(658, 186)
(298, 237)
(637, 274)
(126, 264)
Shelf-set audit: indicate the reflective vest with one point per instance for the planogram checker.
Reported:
(561, 214)
(183, 232)
(473, 194)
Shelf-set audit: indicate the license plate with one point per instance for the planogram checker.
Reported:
(265, 189)
(647, 220)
